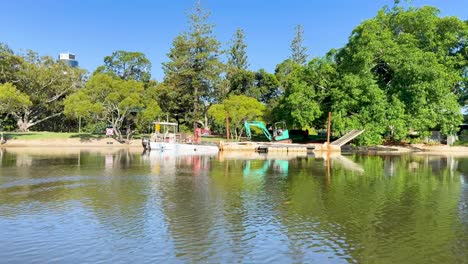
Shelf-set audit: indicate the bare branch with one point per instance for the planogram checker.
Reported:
(44, 119)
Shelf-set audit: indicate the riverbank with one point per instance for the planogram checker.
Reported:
(136, 143)
(413, 148)
(70, 142)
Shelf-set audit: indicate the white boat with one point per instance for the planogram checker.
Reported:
(166, 138)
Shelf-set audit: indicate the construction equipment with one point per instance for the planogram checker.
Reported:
(280, 131)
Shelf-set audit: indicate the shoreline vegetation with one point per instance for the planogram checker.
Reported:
(400, 77)
(51, 139)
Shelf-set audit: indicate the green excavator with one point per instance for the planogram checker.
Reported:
(280, 131)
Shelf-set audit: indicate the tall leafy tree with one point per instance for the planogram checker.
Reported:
(266, 88)
(306, 96)
(115, 101)
(239, 77)
(239, 109)
(127, 65)
(405, 65)
(298, 50)
(11, 99)
(175, 93)
(10, 64)
(44, 81)
(194, 68)
(237, 56)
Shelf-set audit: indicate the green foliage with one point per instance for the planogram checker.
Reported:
(11, 99)
(237, 54)
(266, 89)
(43, 80)
(298, 51)
(118, 102)
(239, 108)
(9, 64)
(402, 71)
(127, 65)
(97, 127)
(307, 93)
(240, 79)
(405, 70)
(151, 109)
(192, 76)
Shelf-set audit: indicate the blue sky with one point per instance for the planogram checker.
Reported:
(93, 29)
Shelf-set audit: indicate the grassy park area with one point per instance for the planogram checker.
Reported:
(49, 135)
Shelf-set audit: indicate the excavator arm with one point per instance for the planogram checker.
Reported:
(259, 124)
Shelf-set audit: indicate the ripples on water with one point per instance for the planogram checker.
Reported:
(120, 206)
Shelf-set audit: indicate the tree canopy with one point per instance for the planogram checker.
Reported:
(193, 72)
(238, 108)
(115, 101)
(403, 68)
(127, 65)
(40, 83)
(298, 50)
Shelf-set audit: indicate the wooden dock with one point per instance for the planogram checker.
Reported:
(271, 147)
(267, 147)
(297, 148)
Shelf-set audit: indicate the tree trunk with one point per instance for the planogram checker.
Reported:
(130, 131)
(195, 108)
(23, 125)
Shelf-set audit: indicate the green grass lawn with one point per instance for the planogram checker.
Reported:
(48, 135)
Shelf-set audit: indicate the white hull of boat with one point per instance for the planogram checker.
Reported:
(185, 148)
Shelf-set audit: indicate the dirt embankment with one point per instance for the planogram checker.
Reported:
(414, 148)
(110, 142)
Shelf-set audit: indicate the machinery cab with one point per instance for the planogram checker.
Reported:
(280, 131)
(277, 132)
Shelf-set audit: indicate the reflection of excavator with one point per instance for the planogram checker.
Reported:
(279, 166)
(280, 131)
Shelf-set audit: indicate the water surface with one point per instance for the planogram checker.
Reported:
(120, 206)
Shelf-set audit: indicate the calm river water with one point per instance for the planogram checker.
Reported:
(121, 206)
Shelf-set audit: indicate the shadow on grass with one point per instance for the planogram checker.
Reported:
(87, 137)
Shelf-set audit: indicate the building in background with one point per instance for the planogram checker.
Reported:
(69, 59)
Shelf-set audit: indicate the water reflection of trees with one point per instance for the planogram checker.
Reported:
(374, 214)
(79, 176)
(216, 209)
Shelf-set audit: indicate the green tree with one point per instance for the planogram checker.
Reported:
(193, 73)
(266, 89)
(115, 101)
(239, 108)
(9, 64)
(43, 80)
(283, 70)
(127, 65)
(11, 99)
(175, 94)
(405, 65)
(151, 109)
(306, 99)
(298, 51)
(237, 55)
(239, 77)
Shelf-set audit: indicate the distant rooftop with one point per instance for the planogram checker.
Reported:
(66, 56)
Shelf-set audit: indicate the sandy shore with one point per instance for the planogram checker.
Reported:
(414, 149)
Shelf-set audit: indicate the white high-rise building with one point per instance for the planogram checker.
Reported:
(69, 58)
